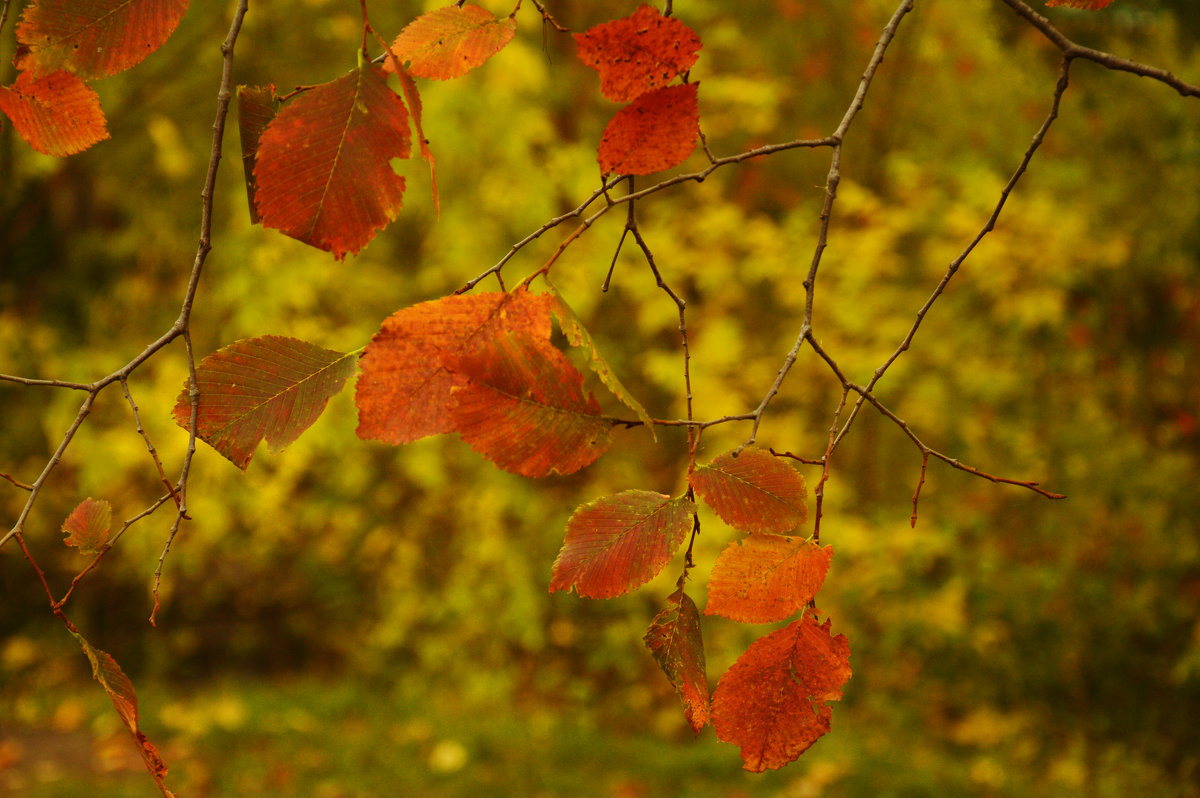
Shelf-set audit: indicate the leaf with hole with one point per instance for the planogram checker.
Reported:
(87, 527)
(656, 131)
(773, 702)
(93, 38)
(766, 578)
(57, 114)
(404, 390)
(618, 543)
(675, 642)
(324, 171)
(638, 53)
(449, 42)
(754, 491)
(269, 387)
(523, 407)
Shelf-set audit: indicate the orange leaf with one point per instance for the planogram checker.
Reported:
(87, 526)
(772, 702)
(655, 132)
(674, 640)
(413, 97)
(257, 106)
(1093, 5)
(753, 492)
(120, 690)
(766, 578)
(93, 38)
(620, 542)
(324, 163)
(56, 114)
(523, 407)
(404, 390)
(638, 53)
(268, 387)
(449, 42)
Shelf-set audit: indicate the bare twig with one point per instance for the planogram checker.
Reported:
(547, 18)
(1071, 50)
(4, 13)
(162, 474)
(15, 481)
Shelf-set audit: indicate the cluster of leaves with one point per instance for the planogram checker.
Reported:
(483, 365)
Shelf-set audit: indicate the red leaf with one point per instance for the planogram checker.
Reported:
(1092, 5)
(257, 106)
(93, 38)
(772, 702)
(404, 390)
(120, 690)
(753, 492)
(413, 97)
(638, 53)
(655, 132)
(268, 387)
(56, 114)
(674, 640)
(620, 542)
(87, 526)
(451, 41)
(324, 163)
(523, 407)
(766, 578)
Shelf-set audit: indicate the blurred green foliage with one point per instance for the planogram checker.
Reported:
(353, 619)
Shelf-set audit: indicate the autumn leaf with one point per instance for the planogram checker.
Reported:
(57, 114)
(257, 106)
(404, 390)
(618, 543)
(269, 387)
(578, 336)
(413, 98)
(523, 407)
(324, 168)
(766, 578)
(753, 492)
(93, 38)
(1092, 5)
(88, 525)
(449, 42)
(772, 702)
(655, 132)
(674, 640)
(638, 53)
(120, 690)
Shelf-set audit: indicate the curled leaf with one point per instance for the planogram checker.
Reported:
(674, 640)
(257, 106)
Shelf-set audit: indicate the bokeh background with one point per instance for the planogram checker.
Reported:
(352, 619)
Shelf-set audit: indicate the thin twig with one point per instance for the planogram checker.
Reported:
(4, 14)
(547, 18)
(15, 481)
(162, 474)
(75, 386)
(1072, 50)
(912, 521)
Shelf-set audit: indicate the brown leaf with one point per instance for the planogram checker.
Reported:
(269, 387)
(772, 702)
(257, 106)
(618, 543)
(766, 578)
(449, 42)
(324, 169)
(93, 38)
(88, 525)
(120, 690)
(404, 390)
(753, 492)
(656, 131)
(674, 640)
(638, 53)
(523, 407)
(57, 114)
